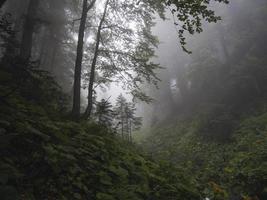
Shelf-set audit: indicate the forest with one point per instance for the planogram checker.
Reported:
(133, 100)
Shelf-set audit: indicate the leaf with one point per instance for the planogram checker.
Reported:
(105, 179)
(38, 133)
(119, 171)
(77, 196)
(104, 196)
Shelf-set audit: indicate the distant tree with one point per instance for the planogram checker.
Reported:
(132, 122)
(52, 33)
(28, 30)
(104, 113)
(127, 121)
(54, 45)
(120, 114)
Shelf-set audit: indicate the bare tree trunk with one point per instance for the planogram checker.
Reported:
(2, 2)
(88, 111)
(78, 63)
(28, 30)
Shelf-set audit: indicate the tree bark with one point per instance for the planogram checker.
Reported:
(78, 63)
(88, 111)
(2, 2)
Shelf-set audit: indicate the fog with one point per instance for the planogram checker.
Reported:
(217, 41)
(133, 100)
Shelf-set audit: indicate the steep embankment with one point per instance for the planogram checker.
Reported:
(46, 157)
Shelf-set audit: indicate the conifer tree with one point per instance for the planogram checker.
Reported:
(120, 114)
(127, 121)
(104, 113)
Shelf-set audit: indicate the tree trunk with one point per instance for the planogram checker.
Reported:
(88, 111)
(78, 63)
(122, 128)
(130, 132)
(28, 30)
(127, 129)
(2, 2)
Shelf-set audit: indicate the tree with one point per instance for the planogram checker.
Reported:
(123, 48)
(189, 16)
(79, 57)
(28, 30)
(125, 53)
(132, 122)
(55, 46)
(120, 114)
(52, 33)
(125, 116)
(93, 66)
(104, 113)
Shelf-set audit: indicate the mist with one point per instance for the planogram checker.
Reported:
(133, 100)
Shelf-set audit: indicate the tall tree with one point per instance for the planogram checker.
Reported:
(93, 66)
(79, 58)
(28, 30)
(124, 45)
(129, 51)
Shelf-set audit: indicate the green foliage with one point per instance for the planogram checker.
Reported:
(44, 156)
(189, 16)
(91, 165)
(222, 170)
(127, 122)
(104, 113)
(125, 50)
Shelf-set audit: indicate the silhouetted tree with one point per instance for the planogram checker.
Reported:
(79, 57)
(93, 66)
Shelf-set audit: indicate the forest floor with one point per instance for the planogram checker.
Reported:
(44, 155)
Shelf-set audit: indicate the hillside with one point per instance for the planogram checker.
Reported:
(46, 156)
